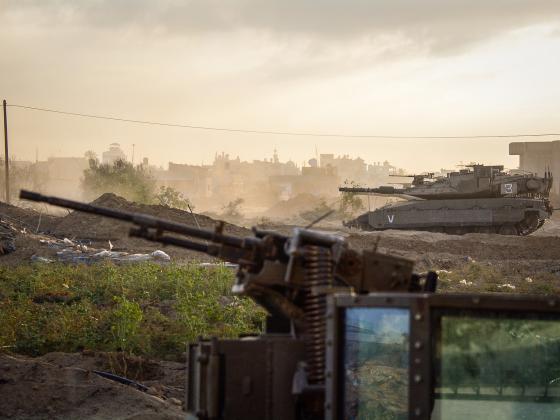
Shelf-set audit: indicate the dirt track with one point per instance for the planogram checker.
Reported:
(482, 247)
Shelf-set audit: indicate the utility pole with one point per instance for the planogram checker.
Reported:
(6, 155)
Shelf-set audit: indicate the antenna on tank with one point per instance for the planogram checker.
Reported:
(324, 216)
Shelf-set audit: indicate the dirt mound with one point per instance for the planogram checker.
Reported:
(61, 386)
(96, 231)
(294, 206)
(28, 218)
(88, 226)
(100, 230)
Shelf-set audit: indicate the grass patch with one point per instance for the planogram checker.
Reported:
(142, 309)
(474, 277)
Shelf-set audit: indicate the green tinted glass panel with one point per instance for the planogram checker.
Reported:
(497, 367)
(375, 361)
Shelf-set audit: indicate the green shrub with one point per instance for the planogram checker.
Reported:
(142, 309)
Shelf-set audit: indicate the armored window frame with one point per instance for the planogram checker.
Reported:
(424, 312)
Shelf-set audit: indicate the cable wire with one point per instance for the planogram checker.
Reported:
(282, 133)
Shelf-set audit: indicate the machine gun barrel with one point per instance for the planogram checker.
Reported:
(144, 221)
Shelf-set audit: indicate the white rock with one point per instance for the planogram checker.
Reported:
(160, 256)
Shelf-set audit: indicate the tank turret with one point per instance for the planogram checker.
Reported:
(477, 181)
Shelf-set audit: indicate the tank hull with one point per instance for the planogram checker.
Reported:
(509, 216)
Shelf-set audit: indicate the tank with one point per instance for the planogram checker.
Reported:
(480, 198)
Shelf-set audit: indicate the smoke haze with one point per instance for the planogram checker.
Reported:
(356, 67)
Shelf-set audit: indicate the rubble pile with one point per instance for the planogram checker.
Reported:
(69, 251)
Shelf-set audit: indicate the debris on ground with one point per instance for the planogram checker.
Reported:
(68, 251)
(220, 264)
(39, 259)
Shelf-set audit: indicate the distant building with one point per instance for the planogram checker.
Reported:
(346, 167)
(231, 178)
(357, 171)
(379, 172)
(113, 154)
(312, 180)
(538, 157)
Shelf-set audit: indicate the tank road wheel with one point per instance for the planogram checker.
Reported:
(508, 230)
(530, 223)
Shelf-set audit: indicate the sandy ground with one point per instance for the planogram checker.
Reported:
(63, 386)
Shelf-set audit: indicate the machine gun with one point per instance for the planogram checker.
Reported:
(289, 276)
(357, 335)
(416, 179)
(275, 270)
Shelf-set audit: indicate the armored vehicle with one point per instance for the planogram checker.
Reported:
(479, 198)
(356, 335)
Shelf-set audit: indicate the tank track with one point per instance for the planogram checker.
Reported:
(524, 228)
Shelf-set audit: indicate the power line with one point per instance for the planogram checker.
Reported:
(282, 133)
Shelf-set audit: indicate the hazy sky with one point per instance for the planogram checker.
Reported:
(393, 67)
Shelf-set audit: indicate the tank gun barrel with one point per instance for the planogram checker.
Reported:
(379, 190)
